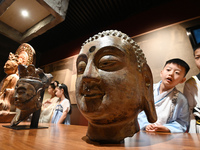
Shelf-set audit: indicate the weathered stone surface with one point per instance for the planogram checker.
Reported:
(28, 91)
(114, 83)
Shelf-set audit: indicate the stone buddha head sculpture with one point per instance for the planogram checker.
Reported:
(28, 90)
(114, 83)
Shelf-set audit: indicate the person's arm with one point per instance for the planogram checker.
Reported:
(188, 92)
(62, 118)
(180, 119)
(191, 93)
(158, 128)
(66, 108)
(142, 120)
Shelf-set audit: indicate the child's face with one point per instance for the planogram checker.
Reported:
(50, 90)
(172, 74)
(197, 57)
(59, 92)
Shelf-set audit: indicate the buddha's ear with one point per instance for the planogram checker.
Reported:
(148, 98)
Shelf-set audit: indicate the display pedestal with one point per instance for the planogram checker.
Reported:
(24, 127)
(6, 117)
(34, 120)
(33, 124)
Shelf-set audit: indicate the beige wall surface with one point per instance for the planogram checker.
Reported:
(63, 71)
(167, 43)
(158, 46)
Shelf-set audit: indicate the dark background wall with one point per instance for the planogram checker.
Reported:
(158, 17)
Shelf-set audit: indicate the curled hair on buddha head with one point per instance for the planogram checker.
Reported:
(141, 60)
(66, 94)
(54, 84)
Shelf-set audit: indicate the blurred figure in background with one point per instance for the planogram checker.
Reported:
(62, 112)
(192, 92)
(49, 105)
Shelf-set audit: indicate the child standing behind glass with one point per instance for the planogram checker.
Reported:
(62, 111)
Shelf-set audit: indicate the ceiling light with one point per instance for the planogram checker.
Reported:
(24, 13)
(42, 14)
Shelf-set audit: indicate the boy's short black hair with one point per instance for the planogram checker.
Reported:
(196, 47)
(179, 62)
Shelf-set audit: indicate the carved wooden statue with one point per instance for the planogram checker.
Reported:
(28, 91)
(8, 83)
(25, 55)
(114, 83)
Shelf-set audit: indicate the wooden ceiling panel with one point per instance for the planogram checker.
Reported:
(14, 19)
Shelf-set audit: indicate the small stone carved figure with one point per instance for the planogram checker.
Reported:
(28, 91)
(114, 83)
(8, 83)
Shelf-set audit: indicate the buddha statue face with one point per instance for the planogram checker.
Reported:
(10, 67)
(26, 95)
(110, 87)
(106, 83)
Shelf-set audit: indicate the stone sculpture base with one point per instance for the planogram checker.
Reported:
(33, 123)
(24, 127)
(6, 117)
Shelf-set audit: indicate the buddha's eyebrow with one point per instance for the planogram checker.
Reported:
(111, 50)
(81, 57)
(21, 88)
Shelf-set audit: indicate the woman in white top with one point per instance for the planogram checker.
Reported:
(62, 111)
(49, 105)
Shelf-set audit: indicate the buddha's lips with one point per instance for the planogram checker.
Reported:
(93, 94)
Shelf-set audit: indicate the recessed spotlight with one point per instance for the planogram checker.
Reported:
(24, 13)
(188, 33)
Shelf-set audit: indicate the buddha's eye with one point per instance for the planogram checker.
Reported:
(81, 67)
(21, 90)
(110, 63)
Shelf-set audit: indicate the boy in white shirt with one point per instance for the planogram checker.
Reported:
(171, 105)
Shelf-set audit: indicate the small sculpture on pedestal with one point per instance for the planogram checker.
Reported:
(9, 82)
(25, 55)
(114, 83)
(31, 84)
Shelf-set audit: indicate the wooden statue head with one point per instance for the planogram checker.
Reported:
(28, 90)
(114, 83)
(11, 64)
